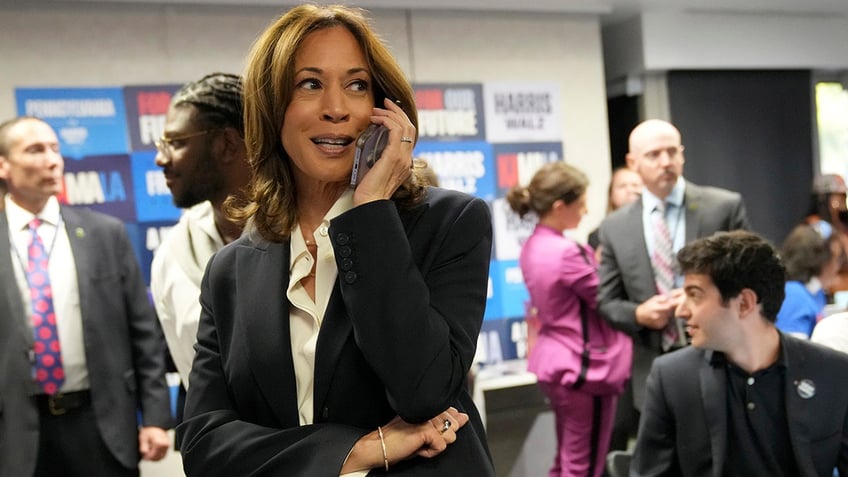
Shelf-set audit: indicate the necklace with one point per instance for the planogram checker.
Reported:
(312, 248)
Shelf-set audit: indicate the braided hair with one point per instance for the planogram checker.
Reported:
(218, 99)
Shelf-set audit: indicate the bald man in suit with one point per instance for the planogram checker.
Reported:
(628, 296)
(80, 418)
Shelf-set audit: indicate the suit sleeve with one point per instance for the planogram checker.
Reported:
(739, 216)
(417, 326)
(613, 304)
(146, 340)
(655, 451)
(842, 465)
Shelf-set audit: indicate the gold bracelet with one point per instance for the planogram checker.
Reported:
(383, 445)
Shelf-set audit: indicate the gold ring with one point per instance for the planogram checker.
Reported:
(445, 426)
(406, 139)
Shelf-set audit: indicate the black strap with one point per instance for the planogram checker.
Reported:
(584, 322)
(596, 433)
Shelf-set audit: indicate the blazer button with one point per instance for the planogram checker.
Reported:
(350, 277)
(347, 264)
(342, 238)
(344, 251)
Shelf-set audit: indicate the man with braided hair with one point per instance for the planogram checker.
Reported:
(203, 157)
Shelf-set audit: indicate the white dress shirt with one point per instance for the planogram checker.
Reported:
(306, 315)
(63, 282)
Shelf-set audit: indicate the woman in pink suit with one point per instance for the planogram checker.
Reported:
(560, 274)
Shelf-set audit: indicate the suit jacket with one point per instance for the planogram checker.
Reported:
(123, 345)
(683, 429)
(627, 278)
(397, 338)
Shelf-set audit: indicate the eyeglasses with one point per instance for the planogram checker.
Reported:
(165, 145)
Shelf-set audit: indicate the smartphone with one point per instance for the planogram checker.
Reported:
(369, 148)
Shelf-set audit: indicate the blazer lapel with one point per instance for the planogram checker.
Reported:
(16, 311)
(82, 254)
(713, 392)
(691, 201)
(265, 323)
(639, 248)
(796, 372)
(334, 332)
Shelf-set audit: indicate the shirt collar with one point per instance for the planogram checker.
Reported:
(675, 198)
(19, 218)
(298, 246)
(342, 205)
(814, 285)
(717, 358)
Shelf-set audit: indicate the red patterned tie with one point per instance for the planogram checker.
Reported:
(662, 262)
(48, 354)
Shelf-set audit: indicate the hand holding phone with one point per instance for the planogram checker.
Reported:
(369, 148)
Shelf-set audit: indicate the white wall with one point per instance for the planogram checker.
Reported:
(116, 45)
(660, 41)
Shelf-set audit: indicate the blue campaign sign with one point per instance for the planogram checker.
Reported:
(88, 121)
(146, 110)
(464, 166)
(501, 340)
(516, 163)
(493, 302)
(450, 112)
(102, 183)
(145, 238)
(153, 200)
(512, 292)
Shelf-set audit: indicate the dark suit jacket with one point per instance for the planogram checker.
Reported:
(123, 345)
(398, 338)
(683, 429)
(627, 278)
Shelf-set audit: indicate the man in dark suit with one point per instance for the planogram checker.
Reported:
(80, 353)
(744, 399)
(628, 295)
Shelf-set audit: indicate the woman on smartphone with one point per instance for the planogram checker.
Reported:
(336, 334)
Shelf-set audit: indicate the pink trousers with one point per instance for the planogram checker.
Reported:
(583, 429)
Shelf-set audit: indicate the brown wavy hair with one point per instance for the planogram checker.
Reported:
(268, 87)
(805, 253)
(552, 182)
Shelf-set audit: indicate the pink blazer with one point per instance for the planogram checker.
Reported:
(557, 278)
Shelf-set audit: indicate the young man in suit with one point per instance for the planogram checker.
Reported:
(80, 348)
(744, 399)
(630, 295)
